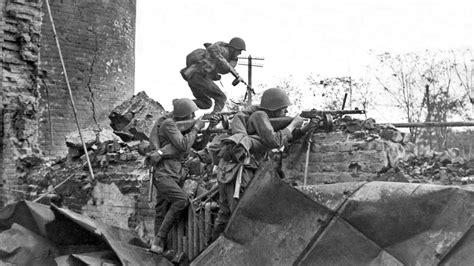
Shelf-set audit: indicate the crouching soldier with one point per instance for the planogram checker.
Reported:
(243, 152)
(169, 172)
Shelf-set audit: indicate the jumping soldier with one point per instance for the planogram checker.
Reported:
(169, 172)
(204, 66)
(252, 137)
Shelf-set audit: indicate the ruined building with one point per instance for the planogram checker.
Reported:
(97, 42)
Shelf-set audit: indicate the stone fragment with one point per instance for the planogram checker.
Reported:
(136, 117)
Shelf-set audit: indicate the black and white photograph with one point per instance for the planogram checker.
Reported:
(219, 132)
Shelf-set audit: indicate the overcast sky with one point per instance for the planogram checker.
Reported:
(331, 38)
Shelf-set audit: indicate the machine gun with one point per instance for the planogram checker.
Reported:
(325, 118)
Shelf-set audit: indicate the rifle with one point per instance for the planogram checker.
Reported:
(326, 117)
(187, 125)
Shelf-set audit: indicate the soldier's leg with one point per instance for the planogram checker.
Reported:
(203, 89)
(225, 204)
(170, 190)
(161, 207)
(198, 84)
(218, 95)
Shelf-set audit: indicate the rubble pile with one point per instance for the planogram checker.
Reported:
(118, 193)
(370, 129)
(443, 168)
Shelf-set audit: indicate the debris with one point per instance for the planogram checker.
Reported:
(134, 118)
(275, 224)
(35, 234)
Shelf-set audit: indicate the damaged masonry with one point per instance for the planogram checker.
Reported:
(343, 201)
(353, 192)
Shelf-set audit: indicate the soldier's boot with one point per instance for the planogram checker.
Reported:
(158, 245)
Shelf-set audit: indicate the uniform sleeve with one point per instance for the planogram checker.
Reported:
(181, 142)
(239, 123)
(216, 51)
(260, 122)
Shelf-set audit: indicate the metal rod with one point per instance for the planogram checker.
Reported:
(344, 101)
(306, 165)
(150, 184)
(249, 80)
(211, 191)
(69, 89)
(431, 124)
(255, 58)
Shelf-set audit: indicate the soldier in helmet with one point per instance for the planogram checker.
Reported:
(169, 173)
(252, 137)
(204, 66)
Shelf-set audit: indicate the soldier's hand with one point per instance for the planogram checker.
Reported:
(213, 121)
(155, 157)
(199, 124)
(313, 123)
(297, 121)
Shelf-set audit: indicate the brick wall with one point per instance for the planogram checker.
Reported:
(20, 31)
(97, 42)
(1, 93)
(338, 157)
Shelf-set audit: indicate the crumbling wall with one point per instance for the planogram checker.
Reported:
(342, 157)
(20, 33)
(97, 40)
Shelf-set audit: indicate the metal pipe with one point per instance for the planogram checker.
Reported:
(432, 124)
(69, 89)
(306, 165)
(249, 80)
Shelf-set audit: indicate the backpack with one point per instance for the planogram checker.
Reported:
(195, 56)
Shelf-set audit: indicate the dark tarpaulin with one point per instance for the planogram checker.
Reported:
(357, 223)
(35, 234)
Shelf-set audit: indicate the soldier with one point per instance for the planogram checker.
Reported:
(169, 173)
(243, 152)
(204, 66)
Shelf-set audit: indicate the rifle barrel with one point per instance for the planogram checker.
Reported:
(313, 113)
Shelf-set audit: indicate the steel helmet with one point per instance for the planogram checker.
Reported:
(183, 107)
(274, 99)
(237, 43)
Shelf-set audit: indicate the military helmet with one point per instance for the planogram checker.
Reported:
(237, 43)
(183, 107)
(274, 99)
